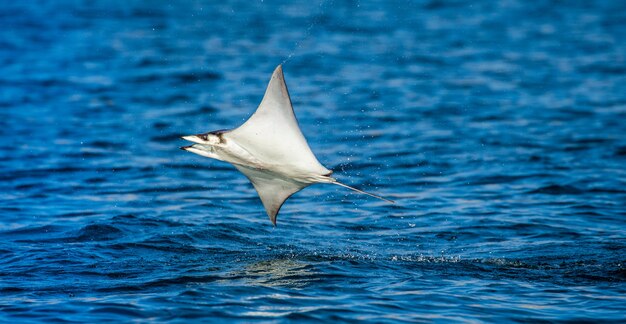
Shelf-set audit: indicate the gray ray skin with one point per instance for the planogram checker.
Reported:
(269, 149)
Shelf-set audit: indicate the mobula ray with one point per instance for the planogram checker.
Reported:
(269, 149)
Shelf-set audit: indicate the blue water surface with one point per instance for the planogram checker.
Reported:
(499, 127)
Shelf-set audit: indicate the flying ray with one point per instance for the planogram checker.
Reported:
(269, 149)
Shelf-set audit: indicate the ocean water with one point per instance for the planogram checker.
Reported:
(499, 127)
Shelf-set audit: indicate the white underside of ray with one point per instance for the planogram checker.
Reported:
(272, 133)
(273, 190)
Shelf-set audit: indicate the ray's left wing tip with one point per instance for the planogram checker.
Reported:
(278, 71)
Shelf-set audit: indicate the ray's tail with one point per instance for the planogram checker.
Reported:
(333, 181)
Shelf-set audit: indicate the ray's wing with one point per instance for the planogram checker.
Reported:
(272, 133)
(272, 190)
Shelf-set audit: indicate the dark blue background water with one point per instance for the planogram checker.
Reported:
(498, 127)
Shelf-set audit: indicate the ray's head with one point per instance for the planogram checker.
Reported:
(204, 143)
(211, 138)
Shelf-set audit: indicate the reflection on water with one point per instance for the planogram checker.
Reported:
(281, 272)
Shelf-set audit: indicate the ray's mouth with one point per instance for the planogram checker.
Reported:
(199, 139)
